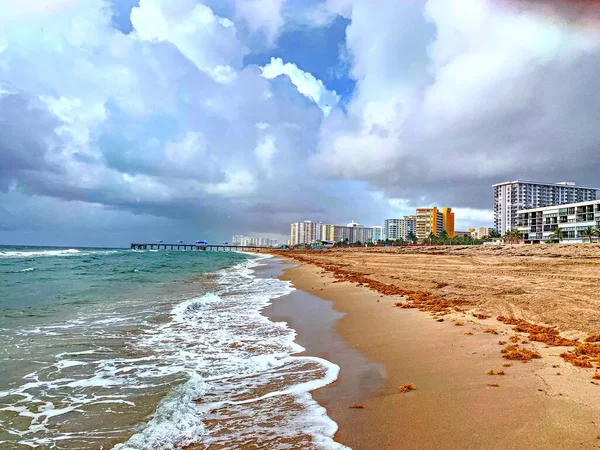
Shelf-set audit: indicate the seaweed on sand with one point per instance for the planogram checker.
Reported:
(407, 388)
(514, 352)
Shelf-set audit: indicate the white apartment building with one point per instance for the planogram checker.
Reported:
(308, 232)
(513, 196)
(377, 233)
(242, 240)
(481, 232)
(359, 233)
(539, 224)
(399, 228)
(305, 232)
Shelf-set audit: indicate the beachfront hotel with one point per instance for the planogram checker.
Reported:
(480, 233)
(378, 233)
(305, 232)
(352, 233)
(513, 196)
(248, 241)
(540, 224)
(399, 228)
(308, 232)
(434, 221)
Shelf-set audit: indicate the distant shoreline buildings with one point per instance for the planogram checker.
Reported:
(534, 209)
(248, 241)
(425, 222)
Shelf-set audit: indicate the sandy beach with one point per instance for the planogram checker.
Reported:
(450, 353)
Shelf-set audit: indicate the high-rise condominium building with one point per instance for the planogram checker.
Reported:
(448, 221)
(512, 196)
(351, 233)
(399, 228)
(377, 233)
(360, 233)
(305, 232)
(432, 220)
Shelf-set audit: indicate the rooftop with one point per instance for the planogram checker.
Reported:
(564, 205)
(560, 184)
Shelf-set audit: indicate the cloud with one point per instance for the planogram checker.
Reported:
(139, 124)
(207, 40)
(35, 6)
(169, 123)
(463, 101)
(265, 151)
(305, 82)
(262, 15)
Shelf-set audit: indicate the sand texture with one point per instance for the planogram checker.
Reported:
(467, 394)
(553, 284)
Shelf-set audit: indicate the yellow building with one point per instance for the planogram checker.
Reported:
(448, 221)
(432, 220)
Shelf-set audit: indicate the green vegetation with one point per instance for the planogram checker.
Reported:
(558, 235)
(512, 236)
(589, 233)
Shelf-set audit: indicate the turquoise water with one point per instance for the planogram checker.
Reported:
(42, 284)
(108, 348)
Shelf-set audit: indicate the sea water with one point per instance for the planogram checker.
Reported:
(108, 348)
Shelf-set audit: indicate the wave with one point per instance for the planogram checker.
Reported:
(37, 253)
(244, 367)
(41, 253)
(231, 376)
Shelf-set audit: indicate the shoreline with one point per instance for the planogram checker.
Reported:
(452, 406)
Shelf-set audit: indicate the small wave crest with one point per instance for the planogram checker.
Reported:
(54, 252)
(38, 253)
(245, 384)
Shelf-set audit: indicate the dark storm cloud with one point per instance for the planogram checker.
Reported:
(27, 135)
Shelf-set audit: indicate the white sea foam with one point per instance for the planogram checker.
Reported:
(237, 364)
(238, 355)
(37, 253)
(55, 252)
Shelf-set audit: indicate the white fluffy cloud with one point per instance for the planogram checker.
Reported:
(265, 151)
(167, 120)
(163, 121)
(305, 82)
(208, 41)
(448, 103)
(262, 15)
(11, 7)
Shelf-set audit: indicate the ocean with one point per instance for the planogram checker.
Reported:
(124, 349)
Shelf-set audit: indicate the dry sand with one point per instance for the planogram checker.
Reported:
(545, 403)
(553, 284)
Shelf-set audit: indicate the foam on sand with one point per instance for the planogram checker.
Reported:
(246, 378)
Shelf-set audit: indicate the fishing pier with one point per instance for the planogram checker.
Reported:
(198, 247)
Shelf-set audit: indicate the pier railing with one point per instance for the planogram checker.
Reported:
(199, 247)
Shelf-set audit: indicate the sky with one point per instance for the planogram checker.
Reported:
(137, 120)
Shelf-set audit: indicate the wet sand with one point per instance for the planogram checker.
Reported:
(383, 347)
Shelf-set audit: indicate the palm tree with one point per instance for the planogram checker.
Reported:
(431, 239)
(512, 236)
(589, 232)
(597, 233)
(516, 235)
(443, 238)
(558, 235)
(412, 238)
(494, 234)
